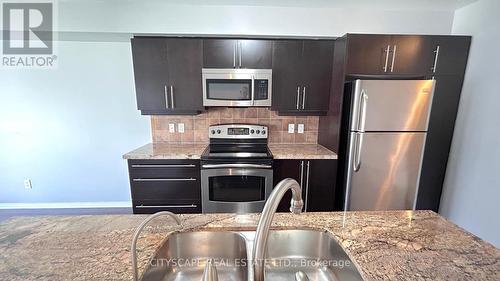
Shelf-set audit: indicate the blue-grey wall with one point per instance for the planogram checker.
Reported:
(66, 128)
(472, 185)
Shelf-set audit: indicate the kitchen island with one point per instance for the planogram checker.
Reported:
(396, 245)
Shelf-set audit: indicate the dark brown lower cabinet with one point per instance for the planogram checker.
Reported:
(317, 178)
(165, 185)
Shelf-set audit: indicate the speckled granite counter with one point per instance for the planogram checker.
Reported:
(194, 151)
(384, 245)
(301, 151)
(166, 151)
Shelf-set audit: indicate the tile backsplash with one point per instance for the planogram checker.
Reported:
(196, 127)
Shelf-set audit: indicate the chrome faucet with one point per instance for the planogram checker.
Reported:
(133, 249)
(266, 217)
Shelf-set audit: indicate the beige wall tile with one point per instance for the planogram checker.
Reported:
(251, 112)
(187, 137)
(287, 138)
(285, 121)
(275, 136)
(263, 113)
(196, 127)
(312, 123)
(300, 138)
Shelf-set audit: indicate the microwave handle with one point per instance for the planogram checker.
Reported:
(253, 90)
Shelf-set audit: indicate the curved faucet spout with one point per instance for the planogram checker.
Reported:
(266, 218)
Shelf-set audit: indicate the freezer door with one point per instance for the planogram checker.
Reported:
(391, 105)
(384, 170)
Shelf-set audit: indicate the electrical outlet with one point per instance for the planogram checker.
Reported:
(171, 128)
(300, 128)
(27, 184)
(291, 128)
(180, 128)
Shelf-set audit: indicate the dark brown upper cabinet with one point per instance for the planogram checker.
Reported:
(302, 71)
(233, 53)
(368, 54)
(450, 55)
(167, 75)
(407, 55)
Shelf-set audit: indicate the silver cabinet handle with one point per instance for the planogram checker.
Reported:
(298, 96)
(387, 51)
(393, 57)
(239, 51)
(223, 166)
(307, 186)
(172, 96)
(357, 151)
(253, 90)
(162, 179)
(163, 166)
(166, 97)
(436, 56)
(304, 97)
(234, 54)
(166, 206)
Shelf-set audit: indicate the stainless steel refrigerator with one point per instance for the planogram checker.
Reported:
(387, 127)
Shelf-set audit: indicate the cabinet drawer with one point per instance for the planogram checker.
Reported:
(166, 189)
(164, 169)
(177, 206)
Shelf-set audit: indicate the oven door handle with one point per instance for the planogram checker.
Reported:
(222, 166)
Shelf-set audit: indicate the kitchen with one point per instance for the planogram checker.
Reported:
(364, 124)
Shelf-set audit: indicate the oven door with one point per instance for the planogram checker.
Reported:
(229, 189)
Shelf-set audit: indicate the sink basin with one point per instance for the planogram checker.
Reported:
(316, 253)
(184, 256)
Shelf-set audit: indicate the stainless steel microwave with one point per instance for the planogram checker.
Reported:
(236, 87)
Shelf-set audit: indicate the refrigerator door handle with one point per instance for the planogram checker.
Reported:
(358, 145)
(362, 111)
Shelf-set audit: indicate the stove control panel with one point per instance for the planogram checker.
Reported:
(237, 131)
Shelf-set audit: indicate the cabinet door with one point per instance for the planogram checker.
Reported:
(410, 54)
(185, 60)
(287, 65)
(287, 169)
(317, 74)
(452, 55)
(219, 53)
(321, 185)
(150, 72)
(255, 54)
(439, 136)
(367, 53)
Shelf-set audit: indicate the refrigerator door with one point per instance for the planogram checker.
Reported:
(391, 105)
(384, 170)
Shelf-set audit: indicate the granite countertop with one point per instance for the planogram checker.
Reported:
(397, 245)
(194, 151)
(301, 151)
(167, 151)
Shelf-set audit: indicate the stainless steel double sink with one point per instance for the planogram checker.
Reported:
(183, 256)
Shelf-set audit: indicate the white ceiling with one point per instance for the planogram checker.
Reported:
(359, 4)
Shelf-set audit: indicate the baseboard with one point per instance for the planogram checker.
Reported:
(67, 205)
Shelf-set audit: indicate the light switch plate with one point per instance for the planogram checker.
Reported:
(291, 128)
(180, 128)
(300, 128)
(27, 184)
(171, 128)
